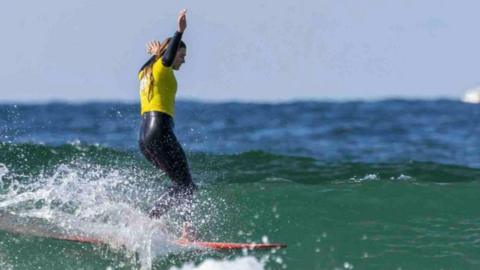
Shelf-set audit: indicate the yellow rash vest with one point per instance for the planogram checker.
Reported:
(161, 97)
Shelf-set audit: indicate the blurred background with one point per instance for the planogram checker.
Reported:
(243, 51)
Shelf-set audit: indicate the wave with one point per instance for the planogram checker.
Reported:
(105, 193)
(101, 193)
(24, 162)
(93, 192)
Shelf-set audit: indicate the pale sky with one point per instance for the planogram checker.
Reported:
(250, 50)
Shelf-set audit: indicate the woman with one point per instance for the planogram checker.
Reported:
(158, 142)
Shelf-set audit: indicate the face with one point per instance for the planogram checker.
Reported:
(179, 58)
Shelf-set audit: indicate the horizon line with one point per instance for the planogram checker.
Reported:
(194, 100)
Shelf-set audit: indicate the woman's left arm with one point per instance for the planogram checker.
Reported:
(153, 47)
(171, 52)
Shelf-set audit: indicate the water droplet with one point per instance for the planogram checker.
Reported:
(347, 265)
(264, 239)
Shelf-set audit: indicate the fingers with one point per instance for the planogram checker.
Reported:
(182, 15)
(182, 20)
(153, 46)
(149, 48)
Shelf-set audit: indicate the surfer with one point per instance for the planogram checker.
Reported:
(158, 142)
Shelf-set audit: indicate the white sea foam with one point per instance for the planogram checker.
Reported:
(368, 177)
(242, 263)
(3, 172)
(90, 201)
(4, 263)
(403, 177)
(375, 177)
(276, 180)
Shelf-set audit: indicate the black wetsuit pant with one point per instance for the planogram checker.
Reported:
(159, 145)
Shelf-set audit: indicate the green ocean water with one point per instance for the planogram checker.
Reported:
(332, 215)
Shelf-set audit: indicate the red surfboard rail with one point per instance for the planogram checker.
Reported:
(230, 246)
(184, 242)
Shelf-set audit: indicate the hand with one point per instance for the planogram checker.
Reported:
(153, 47)
(182, 20)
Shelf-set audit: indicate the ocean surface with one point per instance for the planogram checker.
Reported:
(391, 184)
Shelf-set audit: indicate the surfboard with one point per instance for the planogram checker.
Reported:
(14, 224)
(230, 246)
(186, 243)
(194, 244)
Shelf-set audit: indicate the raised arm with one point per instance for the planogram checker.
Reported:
(169, 55)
